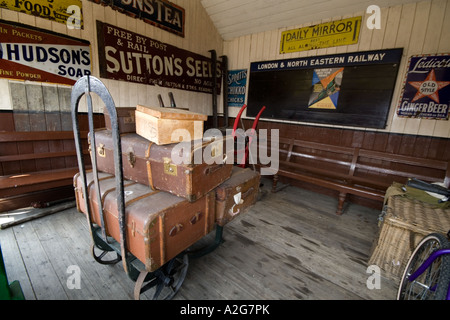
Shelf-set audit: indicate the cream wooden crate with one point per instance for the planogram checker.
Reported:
(406, 222)
(168, 125)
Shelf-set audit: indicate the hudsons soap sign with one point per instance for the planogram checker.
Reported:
(28, 53)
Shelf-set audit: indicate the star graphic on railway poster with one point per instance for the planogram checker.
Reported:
(428, 87)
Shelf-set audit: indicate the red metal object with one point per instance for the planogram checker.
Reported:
(250, 135)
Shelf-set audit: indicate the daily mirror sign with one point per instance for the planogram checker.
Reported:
(34, 54)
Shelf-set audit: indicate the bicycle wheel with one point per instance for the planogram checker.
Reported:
(433, 283)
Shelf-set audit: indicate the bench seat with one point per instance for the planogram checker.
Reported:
(352, 170)
(36, 167)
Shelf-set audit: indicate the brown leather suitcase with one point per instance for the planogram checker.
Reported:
(126, 119)
(159, 224)
(236, 195)
(151, 164)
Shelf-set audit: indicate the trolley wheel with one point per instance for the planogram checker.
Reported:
(433, 283)
(99, 258)
(165, 282)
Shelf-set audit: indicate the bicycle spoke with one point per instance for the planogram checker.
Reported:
(430, 283)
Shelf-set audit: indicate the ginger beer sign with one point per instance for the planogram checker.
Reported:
(426, 91)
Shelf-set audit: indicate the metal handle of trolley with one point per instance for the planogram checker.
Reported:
(166, 280)
(427, 272)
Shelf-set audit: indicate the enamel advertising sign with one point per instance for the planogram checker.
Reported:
(237, 86)
(160, 13)
(37, 55)
(128, 56)
(60, 11)
(426, 91)
(324, 35)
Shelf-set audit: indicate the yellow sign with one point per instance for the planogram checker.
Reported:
(62, 11)
(331, 34)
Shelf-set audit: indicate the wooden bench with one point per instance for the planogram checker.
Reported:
(33, 162)
(356, 171)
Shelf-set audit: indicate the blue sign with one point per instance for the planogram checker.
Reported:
(426, 92)
(237, 86)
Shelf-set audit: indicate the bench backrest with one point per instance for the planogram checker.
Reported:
(359, 165)
(24, 152)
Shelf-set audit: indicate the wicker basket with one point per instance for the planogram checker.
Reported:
(406, 222)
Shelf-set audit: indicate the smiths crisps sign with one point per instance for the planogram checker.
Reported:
(325, 35)
(60, 11)
(34, 54)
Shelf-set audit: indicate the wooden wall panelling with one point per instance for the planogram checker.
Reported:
(20, 106)
(57, 146)
(438, 40)
(10, 167)
(51, 108)
(397, 124)
(35, 102)
(124, 93)
(43, 147)
(419, 28)
(26, 147)
(64, 95)
(36, 112)
(70, 161)
(6, 120)
(64, 98)
(5, 101)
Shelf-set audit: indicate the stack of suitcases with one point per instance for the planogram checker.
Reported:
(168, 205)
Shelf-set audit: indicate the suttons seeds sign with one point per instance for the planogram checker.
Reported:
(128, 56)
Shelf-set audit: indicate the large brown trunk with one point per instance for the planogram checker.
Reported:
(159, 224)
(244, 185)
(152, 165)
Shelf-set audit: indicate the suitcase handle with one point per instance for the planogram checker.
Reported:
(240, 200)
(248, 192)
(195, 218)
(213, 169)
(101, 150)
(131, 159)
(177, 228)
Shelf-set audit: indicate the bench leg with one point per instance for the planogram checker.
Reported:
(341, 202)
(274, 183)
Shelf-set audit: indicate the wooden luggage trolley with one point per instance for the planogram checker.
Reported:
(151, 231)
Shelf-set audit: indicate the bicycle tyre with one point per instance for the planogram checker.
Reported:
(433, 283)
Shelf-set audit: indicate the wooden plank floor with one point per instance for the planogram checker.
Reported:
(290, 246)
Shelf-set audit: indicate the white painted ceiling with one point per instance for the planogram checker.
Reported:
(235, 18)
